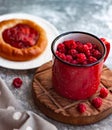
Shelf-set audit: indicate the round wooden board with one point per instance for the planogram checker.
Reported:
(65, 110)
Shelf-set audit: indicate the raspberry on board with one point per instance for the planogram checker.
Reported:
(103, 92)
(97, 102)
(81, 107)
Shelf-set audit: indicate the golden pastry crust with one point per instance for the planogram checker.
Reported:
(16, 54)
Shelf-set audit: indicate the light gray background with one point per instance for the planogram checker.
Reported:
(93, 16)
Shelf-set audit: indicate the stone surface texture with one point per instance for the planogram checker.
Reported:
(93, 16)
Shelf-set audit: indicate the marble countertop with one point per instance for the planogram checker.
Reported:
(93, 16)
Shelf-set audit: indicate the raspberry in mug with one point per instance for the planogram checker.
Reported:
(76, 52)
(78, 59)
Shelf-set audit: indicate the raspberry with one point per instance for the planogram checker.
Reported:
(81, 57)
(92, 59)
(81, 107)
(58, 53)
(97, 54)
(62, 56)
(97, 102)
(85, 62)
(85, 47)
(74, 62)
(76, 52)
(90, 46)
(61, 48)
(103, 92)
(86, 50)
(95, 46)
(69, 58)
(72, 52)
(88, 53)
(70, 44)
(17, 82)
(79, 47)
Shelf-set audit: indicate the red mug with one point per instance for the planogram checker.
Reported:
(77, 82)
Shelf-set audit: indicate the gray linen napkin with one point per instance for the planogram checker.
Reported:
(12, 117)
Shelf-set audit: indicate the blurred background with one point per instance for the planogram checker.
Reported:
(93, 16)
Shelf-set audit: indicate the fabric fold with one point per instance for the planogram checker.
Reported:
(13, 117)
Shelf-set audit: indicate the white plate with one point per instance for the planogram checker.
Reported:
(43, 58)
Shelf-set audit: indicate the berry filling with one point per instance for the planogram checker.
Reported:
(76, 52)
(20, 36)
(17, 82)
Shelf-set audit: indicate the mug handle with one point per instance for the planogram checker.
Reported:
(107, 44)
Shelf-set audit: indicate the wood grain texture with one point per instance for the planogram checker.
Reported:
(65, 110)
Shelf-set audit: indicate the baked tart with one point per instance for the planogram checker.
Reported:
(21, 39)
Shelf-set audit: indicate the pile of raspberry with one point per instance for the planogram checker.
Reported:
(76, 52)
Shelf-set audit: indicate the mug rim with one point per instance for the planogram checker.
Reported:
(78, 65)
